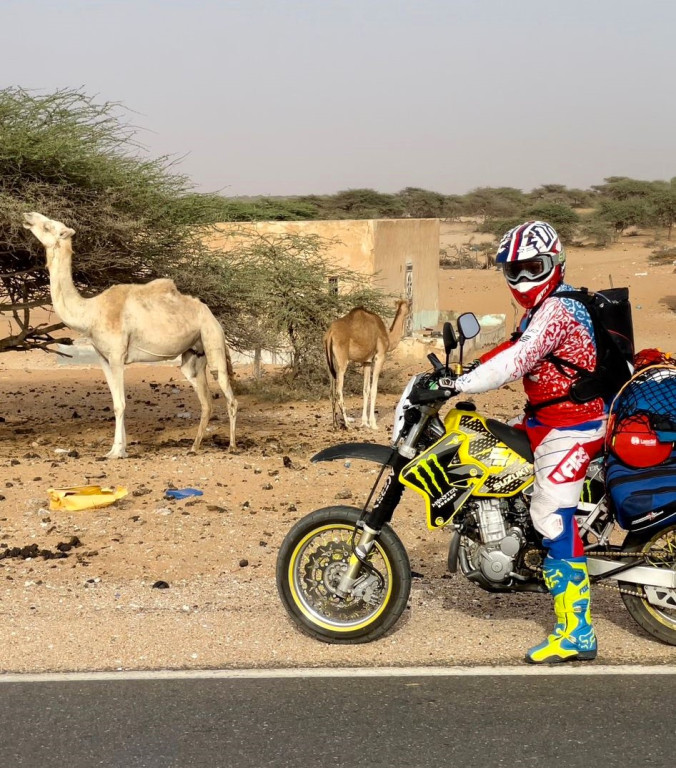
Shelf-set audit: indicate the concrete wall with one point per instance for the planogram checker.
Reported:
(414, 242)
(380, 249)
(351, 246)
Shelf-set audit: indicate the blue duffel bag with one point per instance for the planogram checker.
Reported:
(642, 498)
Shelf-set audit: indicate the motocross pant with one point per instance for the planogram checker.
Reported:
(561, 460)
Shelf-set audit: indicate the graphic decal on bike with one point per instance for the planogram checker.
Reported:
(431, 470)
(468, 460)
(443, 484)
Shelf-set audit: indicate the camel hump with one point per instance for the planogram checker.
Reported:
(358, 313)
(361, 321)
(162, 285)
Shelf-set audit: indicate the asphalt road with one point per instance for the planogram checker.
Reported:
(543, 720)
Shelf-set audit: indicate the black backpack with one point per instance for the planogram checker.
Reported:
(610, 313)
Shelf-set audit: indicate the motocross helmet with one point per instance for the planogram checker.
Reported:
(533, 262)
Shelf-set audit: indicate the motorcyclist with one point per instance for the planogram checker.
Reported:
(564, 435)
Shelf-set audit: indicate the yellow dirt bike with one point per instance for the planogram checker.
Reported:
(344, 576)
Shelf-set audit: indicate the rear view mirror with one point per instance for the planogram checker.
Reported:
(468, 326)
(450, 339)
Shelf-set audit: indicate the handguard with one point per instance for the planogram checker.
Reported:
(425, 396)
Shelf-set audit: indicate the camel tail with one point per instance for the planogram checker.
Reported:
(330, 362)
(328, 350)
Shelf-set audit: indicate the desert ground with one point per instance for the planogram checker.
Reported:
(100, 606)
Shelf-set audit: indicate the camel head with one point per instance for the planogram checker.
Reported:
(50, 233)
(403, 307)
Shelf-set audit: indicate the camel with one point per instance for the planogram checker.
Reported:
(362, 337)
(138, 323)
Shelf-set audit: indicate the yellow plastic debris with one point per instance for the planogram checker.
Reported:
(82, 497)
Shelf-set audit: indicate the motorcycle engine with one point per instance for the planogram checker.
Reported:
(494, 556)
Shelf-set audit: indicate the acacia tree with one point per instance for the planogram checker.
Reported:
(284, 298)
(627, 212)
(663, 205)
(562, 217)
(77, 161)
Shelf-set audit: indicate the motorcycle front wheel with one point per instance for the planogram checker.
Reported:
(311, 562)
(658, 618)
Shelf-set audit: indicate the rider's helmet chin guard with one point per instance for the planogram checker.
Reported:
(533, 262)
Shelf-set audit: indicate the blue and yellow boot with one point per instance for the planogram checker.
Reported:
(573, 638)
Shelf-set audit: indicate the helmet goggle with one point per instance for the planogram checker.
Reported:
(529, 270)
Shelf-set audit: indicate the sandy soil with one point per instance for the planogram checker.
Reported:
(97, 607)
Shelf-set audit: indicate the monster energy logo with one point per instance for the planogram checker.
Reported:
(430, 475)
(586, 495)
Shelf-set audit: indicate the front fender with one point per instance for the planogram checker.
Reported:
(379, 454)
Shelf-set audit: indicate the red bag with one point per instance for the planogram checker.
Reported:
(645, 357)
(635, 442)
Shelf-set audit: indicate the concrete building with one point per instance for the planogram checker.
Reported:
(398, 256)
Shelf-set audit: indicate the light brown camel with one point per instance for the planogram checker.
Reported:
(361, 337)
(137, 323)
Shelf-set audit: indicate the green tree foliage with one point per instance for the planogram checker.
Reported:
(495, 202)
(562, 217)
(267, 209)
(627, 212)
(423, 204)
(562, 195)
(595, 231)
(623, 188)
(362, 204)
(662, 204)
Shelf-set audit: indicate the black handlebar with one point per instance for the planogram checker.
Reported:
(423, 396)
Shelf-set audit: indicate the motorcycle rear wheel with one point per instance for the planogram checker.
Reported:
(660, 549)
(310, 563)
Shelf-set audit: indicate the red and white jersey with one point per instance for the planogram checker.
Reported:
(562, 326)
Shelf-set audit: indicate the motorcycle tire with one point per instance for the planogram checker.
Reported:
(314, 555)
(660, 548)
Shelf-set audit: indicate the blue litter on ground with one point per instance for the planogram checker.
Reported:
(182, 493)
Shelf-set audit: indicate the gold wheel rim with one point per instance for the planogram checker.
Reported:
(302, 605)
(670, 550)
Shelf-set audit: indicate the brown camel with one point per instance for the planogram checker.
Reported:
(361, 337)
(138, 323)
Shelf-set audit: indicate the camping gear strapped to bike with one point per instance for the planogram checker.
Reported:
(344, 575)
(641, 461)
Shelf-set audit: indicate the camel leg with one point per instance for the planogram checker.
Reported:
(231, 402)
(334, 404)
(366, 394)
(194, 368)
(114, 373)
(340, 379)
(219, 363)
(378, 362)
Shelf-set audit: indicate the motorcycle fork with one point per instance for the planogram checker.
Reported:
(372, 522)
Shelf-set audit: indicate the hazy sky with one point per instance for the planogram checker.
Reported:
(314, 96)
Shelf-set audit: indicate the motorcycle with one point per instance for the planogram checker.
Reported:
(344, 576)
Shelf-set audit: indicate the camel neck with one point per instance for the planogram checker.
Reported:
(69, 304)
(396, 329)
